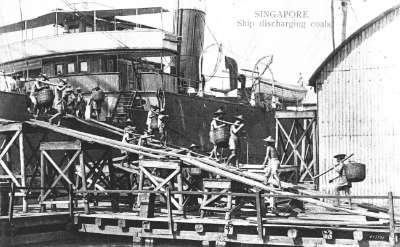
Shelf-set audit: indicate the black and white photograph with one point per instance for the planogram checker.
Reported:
(214, 123)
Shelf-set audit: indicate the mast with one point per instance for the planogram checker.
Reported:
(333, 23)
(344, 22)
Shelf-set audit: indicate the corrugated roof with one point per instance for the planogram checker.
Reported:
(314, 76)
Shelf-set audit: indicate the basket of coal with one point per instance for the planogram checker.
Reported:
(355, 172)
(221, 136)
(45, 97)
(154, 123)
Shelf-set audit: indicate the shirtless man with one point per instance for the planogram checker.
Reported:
(234, 141)
(215, 124)
(271, 162)
(153, 113)
(36, 86)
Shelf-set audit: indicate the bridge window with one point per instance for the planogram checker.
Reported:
(83, 66)
(71, 68)
(59, 69)
(110, 66)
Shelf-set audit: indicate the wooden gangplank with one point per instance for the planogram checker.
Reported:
(248, 178)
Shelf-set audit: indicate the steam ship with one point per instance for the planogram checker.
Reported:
(139, 65)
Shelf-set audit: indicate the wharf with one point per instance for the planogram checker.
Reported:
(313, 227)
(77, 167)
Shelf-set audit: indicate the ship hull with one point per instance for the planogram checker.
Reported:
(190, 117)
(13, 106)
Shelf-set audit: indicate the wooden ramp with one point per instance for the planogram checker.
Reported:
(247, 178)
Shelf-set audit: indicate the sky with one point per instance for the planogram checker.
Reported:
(247, 29)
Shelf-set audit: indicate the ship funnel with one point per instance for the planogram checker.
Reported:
(189, 22)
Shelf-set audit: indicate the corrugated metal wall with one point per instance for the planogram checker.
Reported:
(358, 107)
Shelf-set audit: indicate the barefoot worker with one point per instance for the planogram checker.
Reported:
(271, 162)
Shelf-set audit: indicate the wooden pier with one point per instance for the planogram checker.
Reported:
(67, 180)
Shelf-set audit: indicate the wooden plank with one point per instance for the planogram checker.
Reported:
(217, 184)
(169, 209)
(55, 202)
(260, 228)
(392, 236)
(160, 164)
(11, 127)
(109, 230)
(295, 114)
(76, 145)
(215, 209)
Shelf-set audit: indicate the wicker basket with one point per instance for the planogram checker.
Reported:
(355, 172)
(45, 97)
(154, 123)
(221, 136)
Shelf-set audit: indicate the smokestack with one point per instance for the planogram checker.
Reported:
(189, 22)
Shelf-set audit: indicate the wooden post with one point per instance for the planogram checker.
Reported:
(180, 187)
(294, 146)
(303, 142)
(314, 152)
(141, 182)
(23, 172)
(42, 181)
(392, 236)
(71, 201)
(84, 184)
(229, 207)
(259, 200)
(114, 197)
(11, 203)
(169, 209)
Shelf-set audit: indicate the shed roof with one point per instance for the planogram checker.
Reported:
(314, 76)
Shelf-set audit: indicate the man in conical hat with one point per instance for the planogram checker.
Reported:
(216, 124)
(192, 150)
(342, 183)
(271, 162)
(234, 140)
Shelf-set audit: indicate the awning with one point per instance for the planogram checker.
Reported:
(59, 17)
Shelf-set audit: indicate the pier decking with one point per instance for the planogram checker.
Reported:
(79, 176)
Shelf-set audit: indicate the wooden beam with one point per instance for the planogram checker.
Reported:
(392, 236)
(72, 160)
(4, 165)
(76, 145)
(294, 114)
(260, 227)
(56, 167)
(11, 127)
(23, 171)
(169, 209)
